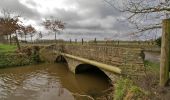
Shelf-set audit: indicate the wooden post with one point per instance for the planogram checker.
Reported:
(95, 41)
(82, 41)
(165, 53)
(70, 41)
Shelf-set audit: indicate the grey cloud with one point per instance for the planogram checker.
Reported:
(32, 3)
(68, 16)
(94, 18)
(97, 8)
(16, 6)
(91, 15)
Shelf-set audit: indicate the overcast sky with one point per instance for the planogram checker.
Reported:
(87, 19)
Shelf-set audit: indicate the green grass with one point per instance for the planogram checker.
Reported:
(152, 66)
(5, 48)
(125, 88)
(121, 88)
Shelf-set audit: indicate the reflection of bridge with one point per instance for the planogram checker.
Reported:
(111, 60)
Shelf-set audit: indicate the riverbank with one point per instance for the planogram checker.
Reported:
(147, 88)
(10, 56)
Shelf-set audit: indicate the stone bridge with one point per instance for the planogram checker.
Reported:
(113, 61)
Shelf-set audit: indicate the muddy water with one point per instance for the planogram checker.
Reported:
(49, 82)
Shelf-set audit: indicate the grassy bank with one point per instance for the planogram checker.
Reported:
(152, 66)
(125, 89)
(12, 59)
(5, 48)
(9, 56)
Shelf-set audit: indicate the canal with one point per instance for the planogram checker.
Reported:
(51, 82)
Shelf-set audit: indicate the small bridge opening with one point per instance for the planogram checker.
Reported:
(61, 59)
(90, 69)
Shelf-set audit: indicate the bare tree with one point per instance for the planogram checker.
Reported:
(31, 31)
(40, 35)
(54, 25)
(145, 15)
(11, 25)
(24, 32)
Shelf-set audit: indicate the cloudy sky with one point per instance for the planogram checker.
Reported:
(86, 19)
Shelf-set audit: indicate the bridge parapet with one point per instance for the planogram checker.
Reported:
(130, 60)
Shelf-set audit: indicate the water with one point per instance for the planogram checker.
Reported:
(49, 82)
(152, 56)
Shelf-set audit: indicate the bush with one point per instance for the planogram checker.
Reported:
(8, 60)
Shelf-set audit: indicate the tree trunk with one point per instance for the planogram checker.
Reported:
(10, 41)
(165, 53)
(17, 42)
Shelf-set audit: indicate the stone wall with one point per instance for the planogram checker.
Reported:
(128, 59)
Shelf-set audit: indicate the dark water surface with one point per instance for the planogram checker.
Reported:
(49, 82)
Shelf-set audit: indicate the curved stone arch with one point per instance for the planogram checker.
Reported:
(86, 67)
(75, 66)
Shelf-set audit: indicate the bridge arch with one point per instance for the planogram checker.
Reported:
(83, 68)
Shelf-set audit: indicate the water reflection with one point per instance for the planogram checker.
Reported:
(48, 82)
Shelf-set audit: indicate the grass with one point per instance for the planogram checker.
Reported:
(152, 66)
(121, 88)
(5, 48)
(125, 89)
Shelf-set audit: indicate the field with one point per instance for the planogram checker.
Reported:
(4, 48)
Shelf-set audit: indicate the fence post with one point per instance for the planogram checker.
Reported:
(95, 41)
(165, 53)
(82, 41)
(70, 41)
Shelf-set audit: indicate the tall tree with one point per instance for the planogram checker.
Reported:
(54, 25)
